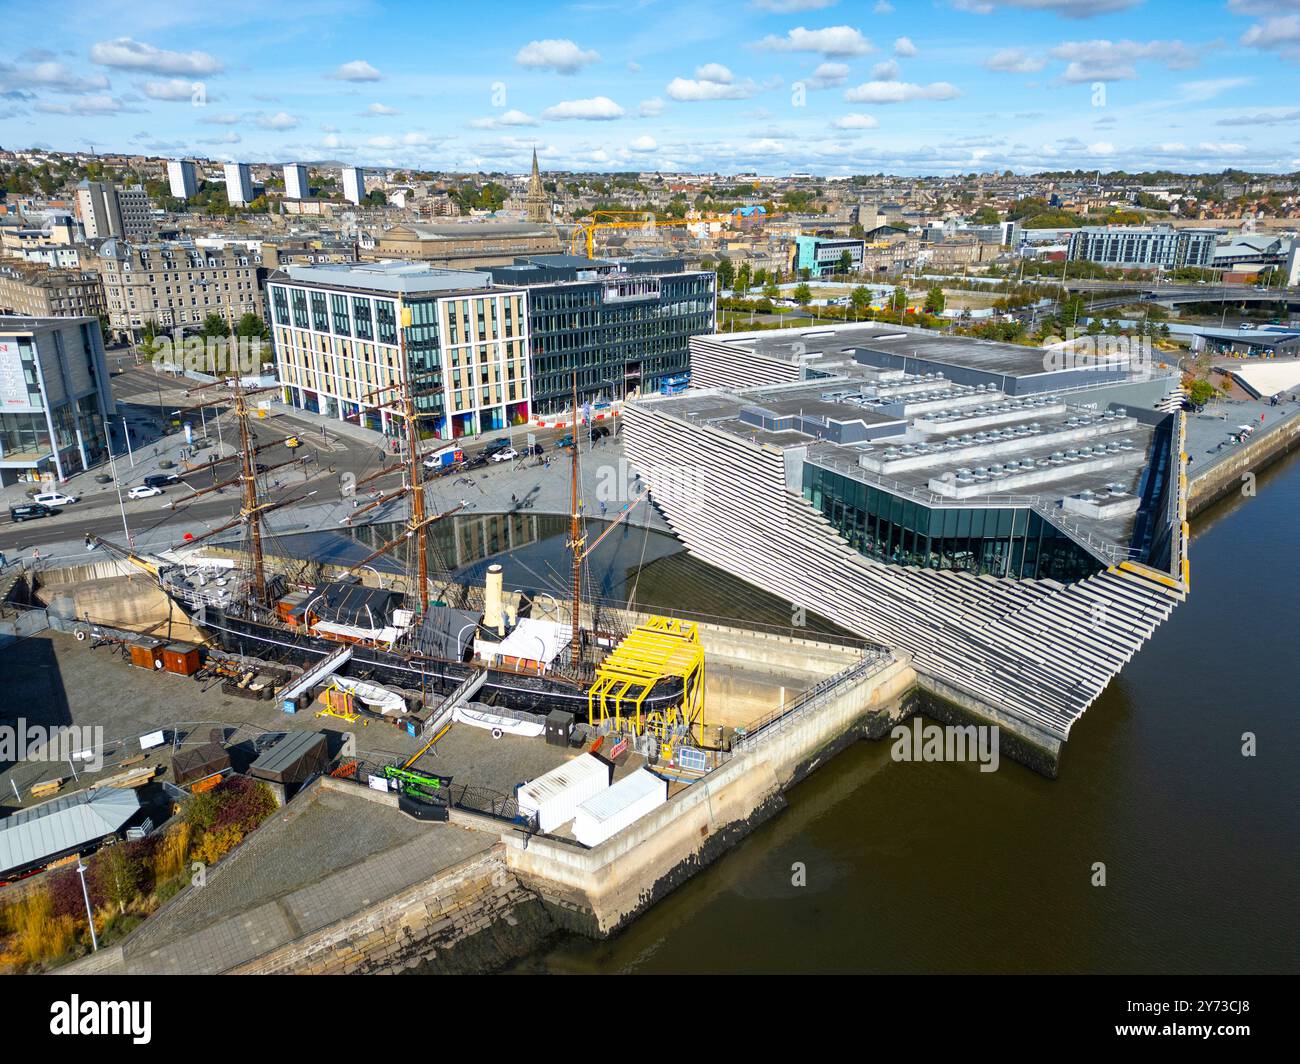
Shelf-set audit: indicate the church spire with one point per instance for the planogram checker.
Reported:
(537, 206)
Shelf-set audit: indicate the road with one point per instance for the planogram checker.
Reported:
(331, 455)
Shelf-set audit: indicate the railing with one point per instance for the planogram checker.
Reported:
(779, 718)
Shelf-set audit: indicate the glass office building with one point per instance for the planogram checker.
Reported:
(623, 326)
(987, 540)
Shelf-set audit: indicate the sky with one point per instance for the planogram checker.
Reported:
(831, 87)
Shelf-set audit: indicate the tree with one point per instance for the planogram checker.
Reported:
(846, 262)
(934, 301)
(253, 327)
(214, 325)
(726, 273)
(898, 300)
(861, 299)
(742, 278)
(771, 291)
(803, 295)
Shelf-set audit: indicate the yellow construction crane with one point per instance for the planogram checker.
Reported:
(584, 236)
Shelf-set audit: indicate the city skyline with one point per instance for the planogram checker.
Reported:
(768, 86)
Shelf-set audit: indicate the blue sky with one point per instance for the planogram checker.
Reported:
(827, 86)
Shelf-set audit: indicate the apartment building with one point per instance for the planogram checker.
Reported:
(296, 185)
(346, 335)
(107, 210)
(1144, 246)
(55, 400)
(824, 254)
(176, 286)
(354, 184)
(239, 184)
(30, 290)
(182, 179)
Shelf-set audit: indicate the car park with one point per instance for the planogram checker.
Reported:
(143, 491)
(30, 511)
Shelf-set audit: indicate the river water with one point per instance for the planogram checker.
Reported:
(941, 868)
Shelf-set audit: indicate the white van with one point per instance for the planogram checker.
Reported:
(54, 498)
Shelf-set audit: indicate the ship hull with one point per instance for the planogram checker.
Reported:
(532, 694)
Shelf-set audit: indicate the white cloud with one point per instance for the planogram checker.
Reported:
(828, 76)
(856, 121)
(651, 108)
(900, 92)
(1072, 9)
(789, 7)
(86, 106)
(127, 54)
(883, 7)
(596, 109)
(1280, 35)
(382, 110)
(279, 120)
(832, 42)
(506, 118)
(693, 91)
(223, 119)
(562, 56)
(1208, 89)
(50, 75)
(904, 48)
(171, 89)
(886, 71)
(714, 72)
(356, 70)
(1015, 61)
(643, 144)
(1103, 60)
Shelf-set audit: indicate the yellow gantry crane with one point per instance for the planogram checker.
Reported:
(662, 648)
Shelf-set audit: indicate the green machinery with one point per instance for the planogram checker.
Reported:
(416, 784)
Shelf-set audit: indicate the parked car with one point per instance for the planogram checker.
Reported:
(476, 460)
(599, 432)
(143, 491)
(532, 449)
(54, 498)
(496, 445)
(508, 455)
(565, 441)
(30, 511)
(161, 480)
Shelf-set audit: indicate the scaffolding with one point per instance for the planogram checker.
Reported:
(661, 649)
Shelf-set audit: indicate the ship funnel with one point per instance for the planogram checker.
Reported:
(492, 601)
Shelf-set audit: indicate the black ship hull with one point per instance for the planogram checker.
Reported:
(532, 694)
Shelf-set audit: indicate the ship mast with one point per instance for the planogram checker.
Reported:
(248, 474)
(576, 539)
(418, 522)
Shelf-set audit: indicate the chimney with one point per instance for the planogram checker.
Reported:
(492, 617)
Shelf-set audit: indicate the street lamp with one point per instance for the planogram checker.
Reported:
(90, 916)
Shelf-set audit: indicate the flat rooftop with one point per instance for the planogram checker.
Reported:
(395, 276)
(834, 348)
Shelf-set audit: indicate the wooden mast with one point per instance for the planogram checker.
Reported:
(248, 473)
(576, 539)
(415, 479)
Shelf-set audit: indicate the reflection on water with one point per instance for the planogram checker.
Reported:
(632, 565)
(931, 867)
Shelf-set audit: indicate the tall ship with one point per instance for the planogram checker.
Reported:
(403, 639)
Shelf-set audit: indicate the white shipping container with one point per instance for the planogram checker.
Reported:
(555, 796)
(609, 812)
